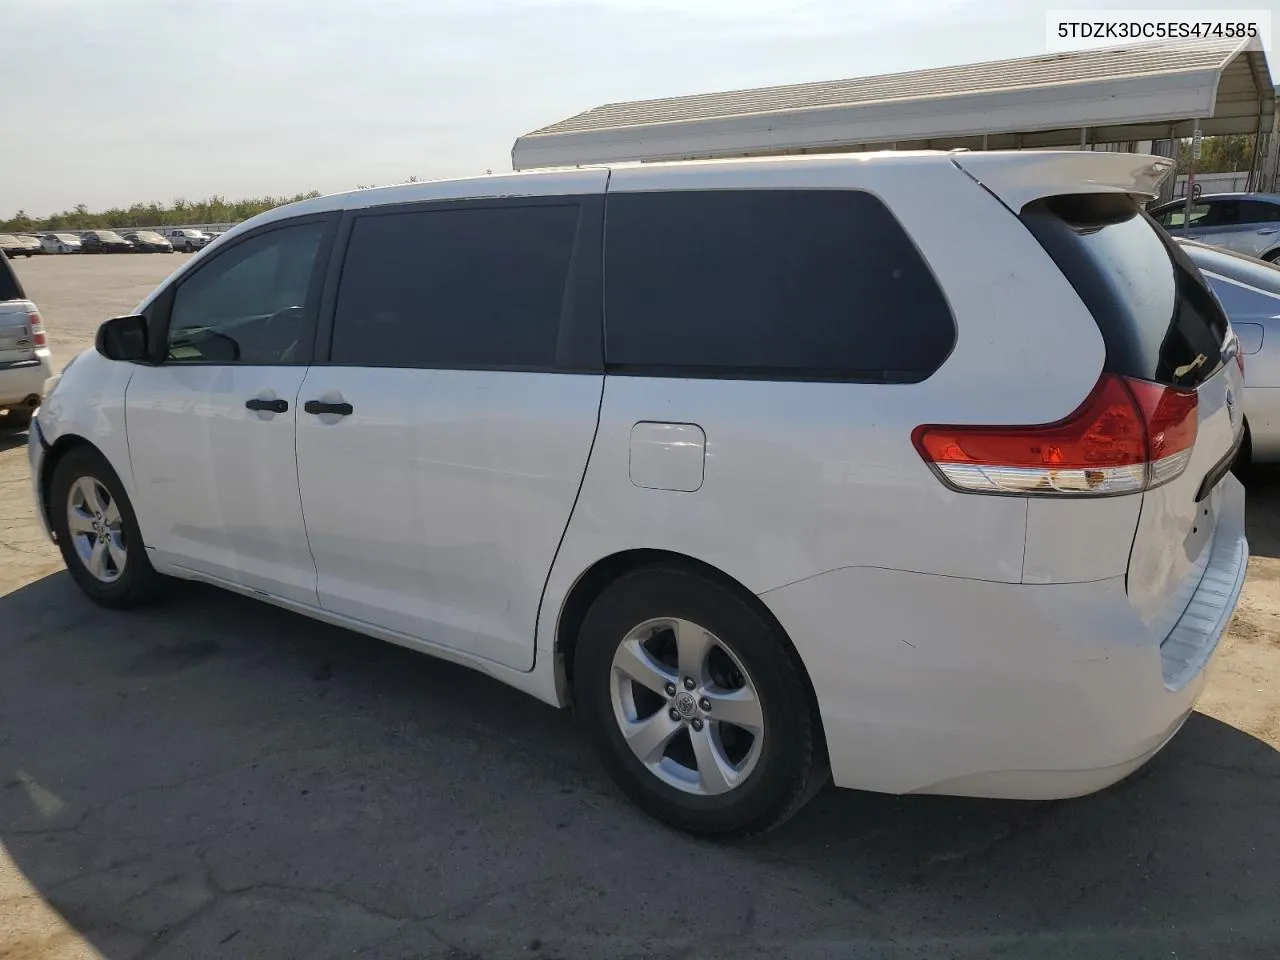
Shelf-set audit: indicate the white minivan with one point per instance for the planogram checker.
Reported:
(910, 470)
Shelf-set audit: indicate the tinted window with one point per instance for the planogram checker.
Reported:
(476, 286)
(1157, 315)
(1223, 213)
(775, 284)
(1255, 211)
(250, 304)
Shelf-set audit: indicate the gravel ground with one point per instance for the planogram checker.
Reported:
(219, 778)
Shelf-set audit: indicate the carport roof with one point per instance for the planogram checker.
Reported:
(1147, 91)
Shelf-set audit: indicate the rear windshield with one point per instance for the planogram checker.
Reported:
(10, 288)
(1158, 318)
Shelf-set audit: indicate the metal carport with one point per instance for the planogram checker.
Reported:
(1148, 92)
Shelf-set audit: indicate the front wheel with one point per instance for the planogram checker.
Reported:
(696, 704)
(98, 532)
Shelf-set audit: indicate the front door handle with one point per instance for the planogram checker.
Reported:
(323, 406)
(274, 406)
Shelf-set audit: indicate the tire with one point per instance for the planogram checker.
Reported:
(128, 582)
(16, 418)
(734, 782)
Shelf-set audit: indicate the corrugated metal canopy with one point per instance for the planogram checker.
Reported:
(1149, 91)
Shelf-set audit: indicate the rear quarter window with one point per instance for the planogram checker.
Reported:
(769, 284)
(1158, 318)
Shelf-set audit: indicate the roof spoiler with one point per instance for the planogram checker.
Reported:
(1017, 178)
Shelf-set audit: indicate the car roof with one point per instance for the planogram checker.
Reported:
(1239, 195)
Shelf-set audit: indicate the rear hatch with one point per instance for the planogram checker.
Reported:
(17, 316)
(1162, 325)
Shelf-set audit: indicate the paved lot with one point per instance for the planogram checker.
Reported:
(218, 778)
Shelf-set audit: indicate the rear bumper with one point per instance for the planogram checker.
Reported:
(932, 684)
(22, 380)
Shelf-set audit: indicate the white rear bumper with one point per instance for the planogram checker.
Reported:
(20, 381)
(931, 684)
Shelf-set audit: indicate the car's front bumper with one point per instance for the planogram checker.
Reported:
(930, 684)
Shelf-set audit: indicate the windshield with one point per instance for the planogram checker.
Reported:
(149, 237)
(67, 237)
(108, 235)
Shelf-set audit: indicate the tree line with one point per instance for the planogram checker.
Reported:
(213, 210)
(1226, 154)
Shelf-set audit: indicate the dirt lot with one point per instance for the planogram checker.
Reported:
(218, 778)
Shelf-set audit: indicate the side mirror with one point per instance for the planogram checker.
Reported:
(123, 338)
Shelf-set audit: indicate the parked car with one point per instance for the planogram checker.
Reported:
(104, 241)
(148, 241)
(1249, 290)
(864, 476)
(16, 245)
(24, 356)
(1247, 223)
(60, 243)
(187, 240)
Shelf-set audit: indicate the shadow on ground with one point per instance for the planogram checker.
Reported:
(1263, 507)
(10, 438)
(218, 778)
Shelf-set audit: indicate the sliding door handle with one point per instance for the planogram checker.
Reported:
(272, 406)
(322, 406)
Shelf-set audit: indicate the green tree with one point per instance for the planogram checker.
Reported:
(215, 209)
(1226, 154)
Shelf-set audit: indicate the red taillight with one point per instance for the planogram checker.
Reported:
(37, 329)
(1128, 435)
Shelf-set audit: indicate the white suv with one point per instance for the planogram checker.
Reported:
(188, 240)
(25, 362)
(910, 468)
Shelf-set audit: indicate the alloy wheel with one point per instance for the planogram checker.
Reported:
(97, 529)
(686, 706)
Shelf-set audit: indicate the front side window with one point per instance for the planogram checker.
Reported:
(769, 284)
(467, 288)
(251, 304)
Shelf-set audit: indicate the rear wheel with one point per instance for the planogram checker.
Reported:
(98, 532)
(696, 705)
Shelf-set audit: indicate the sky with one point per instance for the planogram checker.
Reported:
(110, 102)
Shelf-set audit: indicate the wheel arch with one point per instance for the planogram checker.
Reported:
(53, 456)
(596, 578)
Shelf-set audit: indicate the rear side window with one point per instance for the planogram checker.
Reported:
(10, 288)
(471, 287)
(1157, 315)
(770, 284)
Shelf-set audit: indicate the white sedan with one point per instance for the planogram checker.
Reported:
(60, 243)
(1249, 290)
